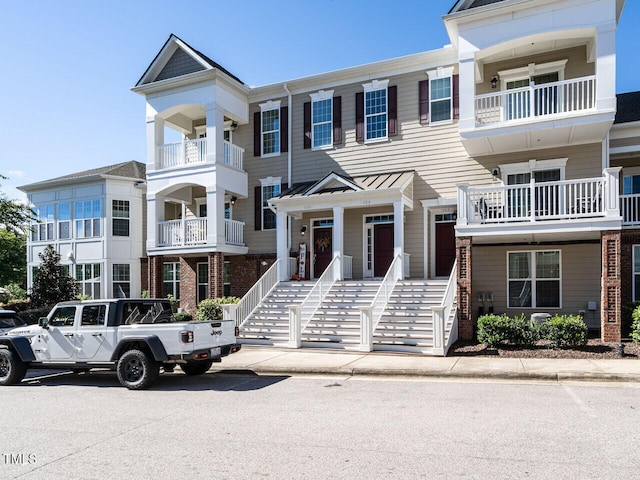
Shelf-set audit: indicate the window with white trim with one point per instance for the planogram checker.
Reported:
(64, 221)
(226, 278)
(270, 128)
(376, 110)
(630, 184)
(270, 189)
(203, 281)
(171, 279)
(120, 218)
(441, 95)
(88, 276)
(43, 227)
(87, 215)
(636, 273)
(534, 279)
(121, 280)
(322, 119)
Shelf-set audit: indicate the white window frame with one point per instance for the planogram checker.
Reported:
(441, 73)
(62, 222)
(530, 71)
(264, 108)
(115, 215)
(372, 87)
(91, 220)
(321, 96)
(635, 249)
(117, 281)
(533, 166)
(268, 182)
(533, 278)
(44, 220)
(175, 280)
(93, 283)
(199, 283)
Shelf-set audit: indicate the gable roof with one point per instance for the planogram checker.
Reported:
(177, 58)
(462, 5)
(628, 107)
(131, 170)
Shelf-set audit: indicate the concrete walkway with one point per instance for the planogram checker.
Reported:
(319, 361)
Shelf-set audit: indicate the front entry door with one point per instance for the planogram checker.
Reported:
(383, 248)
(445, 248)
(322, 249)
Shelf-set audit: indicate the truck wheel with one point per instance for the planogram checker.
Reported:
(196, 368)
(136, 370)
(12, 369)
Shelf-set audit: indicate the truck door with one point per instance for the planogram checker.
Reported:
(91, 332)
(56, 341)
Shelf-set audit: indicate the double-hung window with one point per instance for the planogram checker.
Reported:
(171, 279)
(203, 281)
(64, 221)
(270, 189)
(43, 228)
(120, 213)
(636, 273)
(87, 216)
(270, 128)
(534, 279)
(322, 119)
(441, 95)
(88, 276)
(121, 280)
(376, 110)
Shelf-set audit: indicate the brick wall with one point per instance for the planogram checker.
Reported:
(611, 302)
(465, 307)
(246, 270)
(216, 274)
(189, 283)
(155, 276)
(144, 274)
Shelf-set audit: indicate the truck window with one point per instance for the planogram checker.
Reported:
(93, 315)
(63, 317)
(146, 312)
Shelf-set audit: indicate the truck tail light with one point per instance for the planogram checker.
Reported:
(237, 332)
(186, 336)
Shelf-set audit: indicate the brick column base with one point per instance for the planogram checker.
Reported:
(155, 277)
(189, 284)
(465, 317)
(216, 275)
(611, 301)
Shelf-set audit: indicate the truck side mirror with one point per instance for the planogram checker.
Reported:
(43, 322)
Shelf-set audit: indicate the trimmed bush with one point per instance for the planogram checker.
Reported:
(494, 330)
(565, 331)
(211, 309)
(635, 325)
(183, 317)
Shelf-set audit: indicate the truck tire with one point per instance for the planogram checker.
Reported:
(136, 370)
(198, 367)
(12, 369)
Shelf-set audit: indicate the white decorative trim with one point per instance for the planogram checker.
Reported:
(375, 85)
(321, 95)
(270, 105)
(440, 72)
(532, 70)
(532, 166)
(268, 181)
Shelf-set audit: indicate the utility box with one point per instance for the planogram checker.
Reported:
(538, 319)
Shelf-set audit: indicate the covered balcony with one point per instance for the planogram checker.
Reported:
(179, 233)
(194, 152)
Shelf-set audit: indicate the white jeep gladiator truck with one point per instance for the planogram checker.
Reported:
(134, 337)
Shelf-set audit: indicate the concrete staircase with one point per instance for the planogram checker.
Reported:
(405, 326)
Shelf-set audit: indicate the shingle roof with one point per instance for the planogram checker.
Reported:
(132, 169)
(462, 5)
(628, 109)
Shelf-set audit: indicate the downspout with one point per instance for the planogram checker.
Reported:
(289, 152)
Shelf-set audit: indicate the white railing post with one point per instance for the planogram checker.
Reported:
(295, 326)
(366, 330)
(532, 199)
(230, 312)
(438, 330)
(532, 101)
(463, 195)
(612, 191)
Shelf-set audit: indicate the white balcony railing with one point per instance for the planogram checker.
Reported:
(630, 209)
(193, 231)
(554, 98)
(194, 152)
(584, 198)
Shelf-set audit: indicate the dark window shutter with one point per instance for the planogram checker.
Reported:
(307, 125)
(337, 120)
(257, 144)
(258, 208)
(456, 96)
(392, 119)
(284, 129)
(360, 117)
(423, 99)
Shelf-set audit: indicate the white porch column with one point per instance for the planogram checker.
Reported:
(155, 137)
(606, 67)
(215, 216)
(215, 133)
(612, 189)
(338, 239)
(467, 85)
(281, 246)
(155, 215)
(398, 232)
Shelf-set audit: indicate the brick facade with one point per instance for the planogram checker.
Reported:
(465, 304)
(246, 270)
(189, 283)
(611, 301)
(155, 276)
(216, 275)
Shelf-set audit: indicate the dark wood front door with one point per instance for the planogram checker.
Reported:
(322, 249)
(382, 248)
(445, 248)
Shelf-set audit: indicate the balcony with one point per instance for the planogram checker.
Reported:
(191, 232)
(548, 115)
(194, 152)
(589, 204)
(630, 209)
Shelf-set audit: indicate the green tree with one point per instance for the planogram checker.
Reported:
(51, 281)
(14, 216)
(13, 258)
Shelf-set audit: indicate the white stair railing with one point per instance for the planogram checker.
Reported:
(300, 315)
(370, 315)
(240, 311)
(443, 315)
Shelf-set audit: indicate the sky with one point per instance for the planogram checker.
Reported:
(67, 66)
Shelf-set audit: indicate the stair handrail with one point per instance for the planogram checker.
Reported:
(241, 311)
(379, 303)
(445, 314)
(316, 295)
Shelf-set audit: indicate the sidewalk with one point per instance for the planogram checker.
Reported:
(274, 360)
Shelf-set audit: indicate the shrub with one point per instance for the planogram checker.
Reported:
(33, 315)
(211, 309)
(183, 317)
(635, 325)
(16, 292)
(628, 310)
(565, 331)
(494, 330)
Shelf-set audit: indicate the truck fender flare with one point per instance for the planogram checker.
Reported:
(20, 345)
(152, 341)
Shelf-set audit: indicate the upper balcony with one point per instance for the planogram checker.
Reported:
(194, 152)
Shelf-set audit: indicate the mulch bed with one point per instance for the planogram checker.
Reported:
(595, 349)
